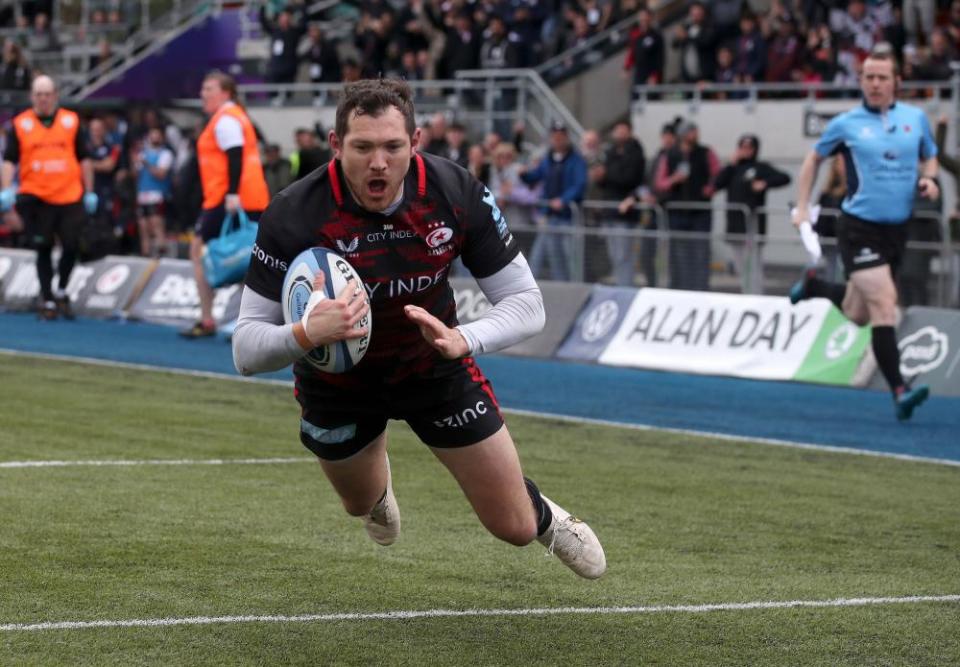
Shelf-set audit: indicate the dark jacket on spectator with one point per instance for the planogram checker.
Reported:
(737, 179)
(645, 57)
(15, 77)
(697, 55)
(750, 55)
(783, 57)
(324, 62)
(701, 174)
(502, 53)
(284, 59)
(624, 171)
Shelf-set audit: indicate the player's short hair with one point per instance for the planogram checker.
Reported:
(224, 80)
(373, 97)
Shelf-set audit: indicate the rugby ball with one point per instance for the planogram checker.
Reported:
(341, 356)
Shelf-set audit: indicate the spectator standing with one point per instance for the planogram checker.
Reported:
(322, 60)
(514, 198)
(309, 154)
(276, 169)
(784, 53)
(746, 180)
(16, 70)
(695, 40)
(477, 163)
(457, 146)
(153, 166)
(644, 61)
(462, 49)
(751, 50)
(438, 134)
(687, 176)
(622, 173)
(42, 37)
(284, 32)
(563, 173)
(105, 159)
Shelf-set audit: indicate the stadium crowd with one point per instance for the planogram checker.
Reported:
(797, 41)
(536, 186)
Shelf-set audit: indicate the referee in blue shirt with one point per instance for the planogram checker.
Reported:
(890, 154)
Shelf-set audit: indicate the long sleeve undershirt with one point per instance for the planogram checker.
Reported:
(262, 343)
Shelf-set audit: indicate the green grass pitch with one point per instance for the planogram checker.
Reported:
(684, 520)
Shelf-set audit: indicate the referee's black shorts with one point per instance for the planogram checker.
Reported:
(864, 245)
(44, 222)
(456, 409)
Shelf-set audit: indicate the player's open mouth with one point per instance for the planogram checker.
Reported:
(377, 186)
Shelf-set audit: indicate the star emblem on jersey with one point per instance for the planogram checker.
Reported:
(438, 234)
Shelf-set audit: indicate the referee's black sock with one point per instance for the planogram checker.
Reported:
(887, 353)
(833, 291)
(544, 515)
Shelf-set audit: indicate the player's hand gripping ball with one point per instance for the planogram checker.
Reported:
(299, 298)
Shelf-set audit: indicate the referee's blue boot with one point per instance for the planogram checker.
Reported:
(799, 291)
(907, 401)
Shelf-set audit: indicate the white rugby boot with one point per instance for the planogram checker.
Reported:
(574, 543)
(383, 522)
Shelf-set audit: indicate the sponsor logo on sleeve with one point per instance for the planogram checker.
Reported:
(267, 259)
(498, 218)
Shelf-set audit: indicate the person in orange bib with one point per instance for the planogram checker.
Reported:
(231, 175)
(56, 188)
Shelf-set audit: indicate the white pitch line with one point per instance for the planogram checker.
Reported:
(527, 413)
(461, 613)
(153, 462)
(735, 438)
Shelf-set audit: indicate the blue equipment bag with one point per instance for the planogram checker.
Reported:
(226, 258)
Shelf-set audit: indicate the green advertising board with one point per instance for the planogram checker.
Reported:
(836, 353)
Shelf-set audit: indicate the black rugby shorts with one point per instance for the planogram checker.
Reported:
(455, 410)
(864, 245)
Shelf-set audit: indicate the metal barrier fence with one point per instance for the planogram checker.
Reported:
(679, 246)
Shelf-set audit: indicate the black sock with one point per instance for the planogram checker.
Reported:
(833, 291)
(68, 257)
(45, 272)
(888, 356)
(544, 515)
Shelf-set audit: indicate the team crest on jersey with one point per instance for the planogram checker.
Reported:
(26, 124)
(438, 238)
(67, 121)
(349, 247)
(906, 128)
